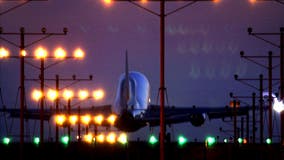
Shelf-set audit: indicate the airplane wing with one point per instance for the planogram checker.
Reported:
(48, 113)
(195, 115)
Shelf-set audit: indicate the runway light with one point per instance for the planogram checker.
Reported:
(111, 119)
(6, 140)
(98, 94)
(65, 140)
(36, 140)
(37, 95)
(122, 138)
(225, 140)
(98, 119)
(59, 53)
(111, 138)
(210, 141)
(268, 141)
(240, 140)
(107, 2)
(4, 53)
(182, 140)
(88, 138)
(40, 53)
(153, 140)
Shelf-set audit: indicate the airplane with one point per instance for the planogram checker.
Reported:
(134, 111)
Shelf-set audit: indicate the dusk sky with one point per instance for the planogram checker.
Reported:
(203, 42)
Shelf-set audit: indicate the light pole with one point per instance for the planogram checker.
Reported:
(162, 15)
(22, 56)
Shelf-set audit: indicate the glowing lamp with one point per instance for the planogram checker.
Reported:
(153, 140)
(40, 53)
(122, 138)
(23, 53)
(78, 53)
(60, 53)
(65, 140)
(68, 94)
(111, 138)
(37, 95)
(83, 94)
(60, 119)
(98, 119)
(73, 119)
(182, 140)
(6, 140)
(98, 94)
(88, 138)
(4, 53)
(52, 94)
(100, 138)
(111, 119)
(86, 119)
(36, 140)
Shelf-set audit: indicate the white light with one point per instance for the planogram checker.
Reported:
(278, 106)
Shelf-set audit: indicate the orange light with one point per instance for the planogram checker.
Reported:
(4, 53)
(88, 138)
(98, 94)
(79, 53)
(23, 53)
(60, 53)
(60, 119)
(37, 95)
(111, 119)
(40, 53)
(73, 119)
(83, 94)
(68, 94)
(216, 1)
(86, 119)
(99, 119)
(252, 1)
(100, 138)
(144, 1)
(52, 94)
(107, 2)
(111, 138)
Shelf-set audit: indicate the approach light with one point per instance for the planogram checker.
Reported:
(225, 140)
(111, 119)
(59, 53)
(240, 140)
(100, 138)
(122, 138)
(37, 95)
(83, 94)
(153, 140)
(4, 53)
(79, 53)
(88, 138)
(98, 94)
(111, 138)
(68, 94)
(60, 119)
(86, 119)
(52, 94)
(6, 140)
(40, 53)
(278, 106)
(182, 140)
(36, 140)
(73, 119)
(99, 119)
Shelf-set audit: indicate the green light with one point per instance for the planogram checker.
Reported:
(268, 141)
(210, 141)
(6, 140)
(240, 140)
(65, 140)
(153, 140)
(36, 140)
(181, 140)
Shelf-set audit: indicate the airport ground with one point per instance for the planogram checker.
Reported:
(142, 151)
